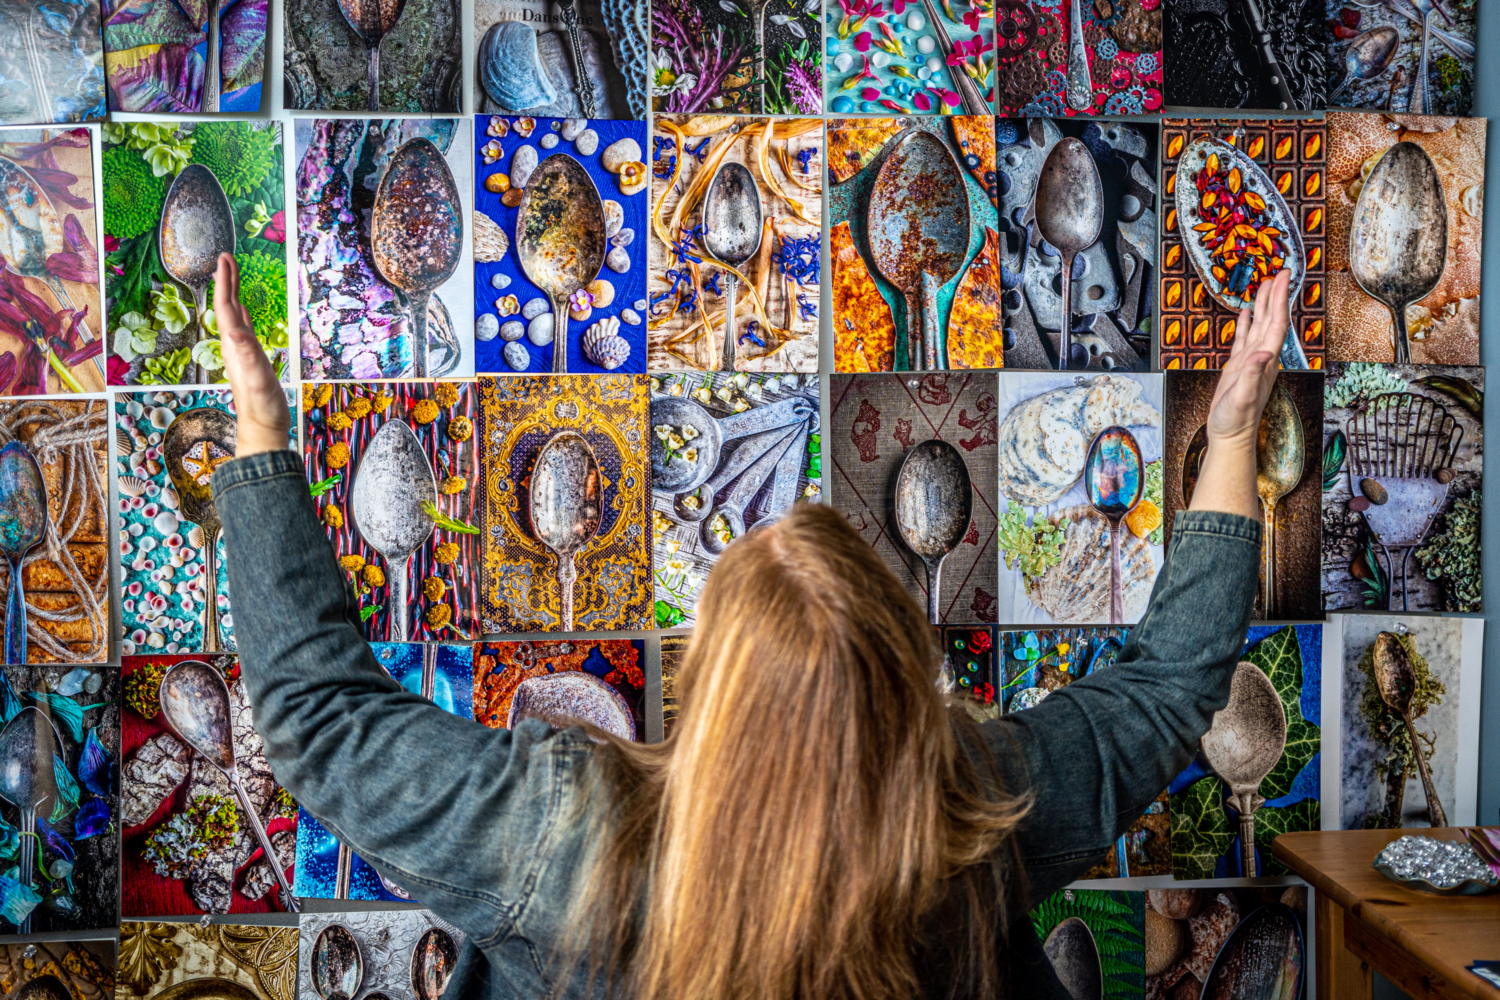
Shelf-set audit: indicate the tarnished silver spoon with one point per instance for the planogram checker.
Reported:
(732, 224)
(23, 524)
(393, 481)
(934, 502)
(27, 745)
(432, 963)
(1246, 740)
(1069, 216)
(196, 227)
(195, 704)
(1114, 478)
(336, 967)
(560, 240)
(1398, 683)
(372, 20)
(1074, 955)
(1281, 454)
(195, 444)
(567, 505)
(1367, 56)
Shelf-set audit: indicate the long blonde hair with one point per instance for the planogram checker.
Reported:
(813, 806)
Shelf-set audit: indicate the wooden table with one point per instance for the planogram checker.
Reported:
(1421, 942)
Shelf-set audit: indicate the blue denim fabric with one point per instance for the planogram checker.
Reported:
(489, 827)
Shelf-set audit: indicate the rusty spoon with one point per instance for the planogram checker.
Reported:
(1397, 683)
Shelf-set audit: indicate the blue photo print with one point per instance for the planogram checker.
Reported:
(326, 869)
(1256, 776)
(603, 273)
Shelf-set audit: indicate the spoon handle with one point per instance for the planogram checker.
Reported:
(567, 575)
(560, 335)
(1116, 595)
(211, 61)
(915, 355)
(200, 305)
(1418, 103)
(1268, 511)
(211, 642)
(28, 858)
(345, 873)
(585, 84)
(1080, 85)
(293, 904)
(969, 94)
(372, 78)
(1435, 812)
(933, 359)
(1248, 866)
(416, 302)
(398, 598)
(1403, 348)
(15, 617)
(731, 290)
(1065, 327)
(934, 588)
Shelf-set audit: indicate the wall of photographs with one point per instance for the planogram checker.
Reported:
(987, 244)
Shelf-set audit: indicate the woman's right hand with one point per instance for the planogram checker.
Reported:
(263, 422)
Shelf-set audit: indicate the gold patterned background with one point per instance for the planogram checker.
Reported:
(161, 959)
(518, 414)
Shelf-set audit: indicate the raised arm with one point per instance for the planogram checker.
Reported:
(1097, 752)
(418, 792)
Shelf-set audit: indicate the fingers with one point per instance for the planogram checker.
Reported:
(233, 320)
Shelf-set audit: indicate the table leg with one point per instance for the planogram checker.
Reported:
(1342, 975)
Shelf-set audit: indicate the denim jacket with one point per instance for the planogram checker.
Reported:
(488, 827)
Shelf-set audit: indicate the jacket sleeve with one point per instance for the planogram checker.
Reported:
(1094, 754)
(450, 809)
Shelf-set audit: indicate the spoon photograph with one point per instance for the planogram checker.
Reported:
(196, 226)
(27, 745)
(1243, 746)
(1367, 56)
(732, 224)
(560, 240)
(195, 705)
(1114, 477)
(1069, 216)
(23, 524)
(1074, 955)
(432, 963)
(393, 481)
(1398, 238)
(918, 222)
(567, 506)
(336, 967)
(372, 20)
(417, 233)
(195, 444)
(934, 503)
(1397, 682)
(1263, 958)
(1281, 454)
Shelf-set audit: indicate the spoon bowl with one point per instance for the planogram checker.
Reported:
(732, 510)
(934, 504)
(1074, 955)
(1397, 682)
(1262, 959)
(23, 524)
(195, 705)
(560, 241)
(568, 697)
(918, 222)
(372, 20)
(393, 481)
(1114, 477)
(432, 963)
(1069, 216)
(733, 218)
(336, 967)
(1368, 56)
(567, 506)
(1281, 454)
(43, 988)
(196, 227)
(417, 233)
(1244, 744)
(195, 444)
(1398, 240)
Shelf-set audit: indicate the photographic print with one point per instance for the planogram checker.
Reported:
(1080, 477)
(570, 61)
(729, 453)
(560, 246)
(247, 962)
(1034, 664)
(1405, 231)
(1409, 737)
(1108, 242)
(1403, 462)
(341, 55)
(383, 250)
(1265, 54)
(736, 56)
(562, 682)
(394, 472)
(327, 869)
(735, 254)
(913, 244)
(59, 741)
(163, 57)
(567, 537)
(914, 472)
(1113, 68)
(1096, 941)
(1289, 461)
(173, 582)
(1241, 792)
(913, 57)
(55, 547)
(176, 195)
(50, 336)
(673, 650)
(1205, 942)
(369, 953)
(196, 836)
(1245, 199)
(1398, 57)
(54, 63)
(83, 969)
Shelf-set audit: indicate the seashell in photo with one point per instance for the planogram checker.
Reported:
(490, 241)
(132, 486)
(603, 345)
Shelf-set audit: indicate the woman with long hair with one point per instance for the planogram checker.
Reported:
(820, 825)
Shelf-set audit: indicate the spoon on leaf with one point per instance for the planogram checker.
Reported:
(1243, 746)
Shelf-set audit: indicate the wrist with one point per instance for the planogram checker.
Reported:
(254, 440)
